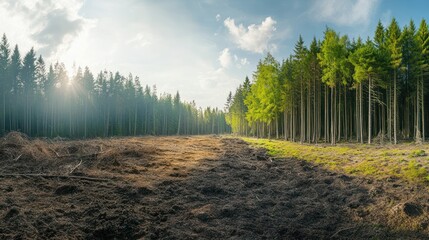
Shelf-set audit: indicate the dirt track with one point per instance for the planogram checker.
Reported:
(192, 188)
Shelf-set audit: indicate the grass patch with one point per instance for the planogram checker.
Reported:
(415, 171)
(418, 153)
(404, 161)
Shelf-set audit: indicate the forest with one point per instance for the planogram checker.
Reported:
(340, 89)
(327, 143)
(44, 101)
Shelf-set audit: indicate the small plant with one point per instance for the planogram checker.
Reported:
(415, 171)
(418, 153)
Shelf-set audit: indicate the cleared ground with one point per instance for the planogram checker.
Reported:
(193, 188)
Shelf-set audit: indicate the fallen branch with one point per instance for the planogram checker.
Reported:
(16, 159)
(58, 155)
(342, 230)
(54, 152)
(75, 167)
(55, 176)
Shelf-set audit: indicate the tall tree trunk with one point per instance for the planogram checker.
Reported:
(369, 110)
(277, 126)
(383, 123)
(3, 129)
(345, 114)
(314, 111)
(335, 116)
(394, 108)
(361, 113)
(285, 124)
(135, 119)
(332, 117)
(293, 123)
(417, 131)
(326, 115)
(302, 120)
(389, 113)
(308, 113)
(106, 133)
(356, 114)
(178, 124)
(85, 120)
(423, 108)
(339, 115)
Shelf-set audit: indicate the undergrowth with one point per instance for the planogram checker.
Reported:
(405, 161)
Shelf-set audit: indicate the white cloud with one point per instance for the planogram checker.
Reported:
(344, 12)
(218, 17)
(254, 38)
(210, 79)
(240, 62)
(244, 61)
(225, 58)
(50, 26)
(141, 39)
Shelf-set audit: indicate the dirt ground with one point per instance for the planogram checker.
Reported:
(207, 187)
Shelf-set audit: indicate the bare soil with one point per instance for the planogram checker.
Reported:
(192, 188)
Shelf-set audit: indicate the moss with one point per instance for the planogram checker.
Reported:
(415, 171)
(366, 160)
(418, 153)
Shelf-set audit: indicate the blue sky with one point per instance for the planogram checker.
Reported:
(204, 49)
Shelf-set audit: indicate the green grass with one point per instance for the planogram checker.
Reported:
(405, 161)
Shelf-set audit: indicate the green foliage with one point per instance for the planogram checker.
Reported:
(368, 62)
(415, 172)
(236, 109)
(418, 153)
(337, 89)
(264, 99)
(394, 44)
(333, 58)
(422, 38)
(361, 160)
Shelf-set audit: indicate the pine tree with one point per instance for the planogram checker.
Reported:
(423, 64)
(333, 59)
(4, 80)
(28, 76)
(88, 99)
(411, 109)
(40, 95)
(265, 96)
(15, 76)
(368, 63)
(395, 52)
(301, 71)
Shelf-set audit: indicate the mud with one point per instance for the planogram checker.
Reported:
(192, 188)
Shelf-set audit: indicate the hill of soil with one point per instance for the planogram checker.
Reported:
(192, 188)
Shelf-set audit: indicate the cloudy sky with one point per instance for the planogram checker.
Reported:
(203, 49)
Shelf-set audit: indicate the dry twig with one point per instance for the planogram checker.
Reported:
(17, 158)
(75, 167)
(55, 176)
(342, 230)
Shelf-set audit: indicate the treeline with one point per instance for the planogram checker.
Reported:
(42, 100)
(337, 89)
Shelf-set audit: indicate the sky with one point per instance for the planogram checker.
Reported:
(203, 49)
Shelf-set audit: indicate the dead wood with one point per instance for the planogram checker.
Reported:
(54, 176)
